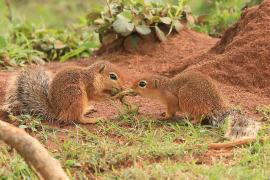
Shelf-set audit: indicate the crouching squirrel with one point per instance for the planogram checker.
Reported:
(195, 95)
(64, 98)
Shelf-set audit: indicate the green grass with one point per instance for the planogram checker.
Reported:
(130, 147)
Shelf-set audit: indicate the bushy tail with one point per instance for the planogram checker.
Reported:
(241, 127)
(28, 93)
(238, 126)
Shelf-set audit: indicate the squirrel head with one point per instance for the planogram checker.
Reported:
(150, 86)
(108, 79)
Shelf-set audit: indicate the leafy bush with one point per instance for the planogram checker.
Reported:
(125, 17)
(22, 42)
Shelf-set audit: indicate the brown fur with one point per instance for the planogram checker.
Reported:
(196, 96)
(191, 93)
(65, 97)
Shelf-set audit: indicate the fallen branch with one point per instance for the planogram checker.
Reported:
(32, 151)
(236, 143)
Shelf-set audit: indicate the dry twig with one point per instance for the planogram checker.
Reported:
(32, 151)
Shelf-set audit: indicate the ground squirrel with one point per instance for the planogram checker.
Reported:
(63, 98)
(197, 96)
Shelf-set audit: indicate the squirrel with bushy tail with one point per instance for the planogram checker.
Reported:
(63, 98)
(196, 96)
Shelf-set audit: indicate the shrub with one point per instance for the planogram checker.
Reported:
(125, 17)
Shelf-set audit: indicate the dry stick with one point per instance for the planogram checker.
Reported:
(236, 143)
(231, 144)
(32, 152)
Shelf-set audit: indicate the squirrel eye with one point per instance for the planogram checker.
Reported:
(113, 76)
(142, 84)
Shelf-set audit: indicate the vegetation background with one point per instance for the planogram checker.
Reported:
(39, 31)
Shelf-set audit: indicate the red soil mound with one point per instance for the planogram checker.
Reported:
(164, 56)
(242, 56)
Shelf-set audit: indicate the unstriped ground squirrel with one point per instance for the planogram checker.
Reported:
(197, 96)
(64, 98)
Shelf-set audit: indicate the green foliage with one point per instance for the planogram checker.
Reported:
(56, 14)
(214, 17)
(24, 42)
(127, 16)
(28, 43)
(71, 35)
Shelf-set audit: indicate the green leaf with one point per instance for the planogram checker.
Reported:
(123, 27)
(127, 15)
(143, 29)
(3, 42)
(155, 19)
(79, 50)
(166, 20)
(160, 34)
(178, 26)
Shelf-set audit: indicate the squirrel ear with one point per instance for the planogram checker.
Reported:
(156, 83)
(102, 67)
